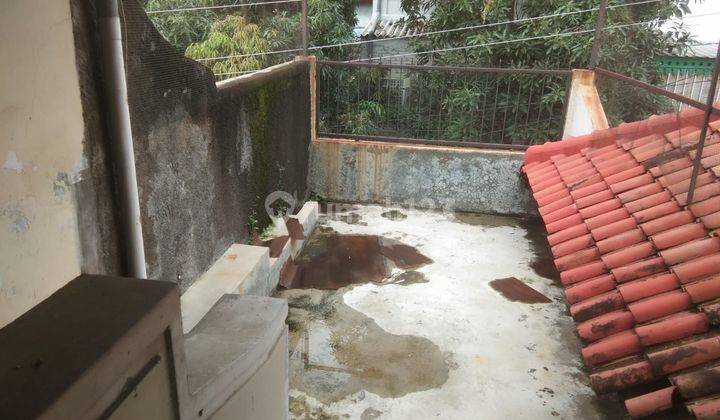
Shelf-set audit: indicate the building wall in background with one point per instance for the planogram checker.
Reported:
(41, 150)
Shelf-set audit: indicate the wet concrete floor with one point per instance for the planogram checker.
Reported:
(397, 317)
(331, 260)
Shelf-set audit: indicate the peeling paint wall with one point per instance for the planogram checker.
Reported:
(41, 150)
(457, 179)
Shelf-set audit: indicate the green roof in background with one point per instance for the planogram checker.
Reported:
(698, 59)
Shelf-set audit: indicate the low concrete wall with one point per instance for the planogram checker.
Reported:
(457, 179)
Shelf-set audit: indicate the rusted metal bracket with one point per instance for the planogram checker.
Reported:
(703, 130)
(594, 53)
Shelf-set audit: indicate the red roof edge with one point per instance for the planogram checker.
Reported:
(656, 124)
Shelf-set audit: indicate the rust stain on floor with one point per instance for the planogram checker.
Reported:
(331, 261)
(516, 291)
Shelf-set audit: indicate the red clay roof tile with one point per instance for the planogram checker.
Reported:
(651, 403)
(648, 286)
(675, 327)
(706, 409)
(636, 262)
(586, 289)
(618, 377)
(605, 325)
(698, 382)
(684, 354)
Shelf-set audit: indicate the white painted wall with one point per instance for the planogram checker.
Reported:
(41, 136)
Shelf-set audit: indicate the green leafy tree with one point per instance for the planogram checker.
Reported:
(629, 50)
(240, 33)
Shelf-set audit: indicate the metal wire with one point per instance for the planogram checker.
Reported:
(229, 6)
(488, 44)
(424, 34)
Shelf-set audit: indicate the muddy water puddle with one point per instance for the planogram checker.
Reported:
(336, 352)
(543, 265)
(516, 291)
(394, 215)
(331, 261)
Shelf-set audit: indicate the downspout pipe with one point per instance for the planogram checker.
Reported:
(123, 154)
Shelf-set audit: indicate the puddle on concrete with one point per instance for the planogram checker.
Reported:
(351, 219)
(543, 265)
(516, 291)
(486, 220)
(331, 261)
(336, 351)
(394, 215)
(300, 409)
(406, 278)
(370, 413)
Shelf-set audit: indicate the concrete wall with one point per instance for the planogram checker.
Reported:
(459, 179)
(584, 109)
(41, 151)
(207, 156)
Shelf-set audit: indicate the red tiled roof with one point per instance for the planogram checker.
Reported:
(641, 268)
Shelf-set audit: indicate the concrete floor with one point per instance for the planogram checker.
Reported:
(437, 340)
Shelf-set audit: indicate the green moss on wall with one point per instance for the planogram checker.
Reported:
(264, 172)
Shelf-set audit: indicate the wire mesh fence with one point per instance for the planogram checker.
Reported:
(475, 105)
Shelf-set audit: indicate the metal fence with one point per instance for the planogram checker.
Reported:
(509, 108)
(693, 86)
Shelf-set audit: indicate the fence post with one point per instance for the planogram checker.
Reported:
(703, 129)
(304, 27)
(598, 34)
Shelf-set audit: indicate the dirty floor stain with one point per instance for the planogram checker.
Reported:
(394, 215)
(485, 220)
(331, 261)
(417, 331)
(336, 351)
(543, 264)
(516, 291)
(407, 278)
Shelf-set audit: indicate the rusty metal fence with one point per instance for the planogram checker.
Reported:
(507, 108)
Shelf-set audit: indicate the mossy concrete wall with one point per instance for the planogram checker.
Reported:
(208, 155)
(448, 178)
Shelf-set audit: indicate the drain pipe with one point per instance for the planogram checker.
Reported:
(123, 155)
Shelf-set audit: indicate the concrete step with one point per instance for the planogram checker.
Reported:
(240, 270)
(229, 357)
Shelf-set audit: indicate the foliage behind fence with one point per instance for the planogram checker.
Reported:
(451, 104)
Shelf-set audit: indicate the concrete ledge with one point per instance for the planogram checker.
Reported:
(449, 178)
(244, 270)
(230, 346)
(240, 270)
(308, 217)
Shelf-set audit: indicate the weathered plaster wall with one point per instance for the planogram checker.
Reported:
(41, 151)
(207, 157)
(460, 179)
